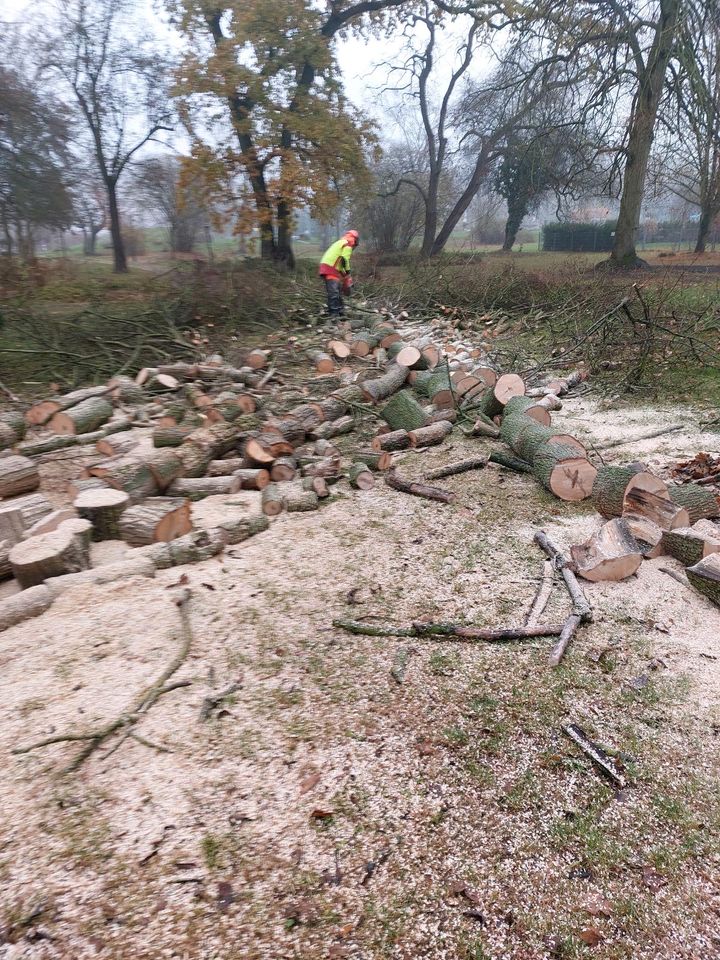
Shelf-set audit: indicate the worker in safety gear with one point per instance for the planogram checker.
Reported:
(335, 271)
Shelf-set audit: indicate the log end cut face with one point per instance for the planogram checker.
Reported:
(573, 480)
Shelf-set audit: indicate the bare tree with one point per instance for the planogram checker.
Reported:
(118, 80)
(161, 186)
(390, 223)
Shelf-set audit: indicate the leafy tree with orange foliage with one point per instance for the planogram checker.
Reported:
(260, 92)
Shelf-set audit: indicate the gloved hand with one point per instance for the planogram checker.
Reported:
(347, 285)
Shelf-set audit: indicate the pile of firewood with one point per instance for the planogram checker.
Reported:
(184, 431)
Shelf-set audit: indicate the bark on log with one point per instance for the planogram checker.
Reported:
(385, 386)
(700, 504)
(609, 489)
(322, 362)
(429, 436)
(12, 428)
(363, 344)
(196, 488)
(166, 467)
(192, 548)
(493, 402)
(647, 496)
(18, 475)
(526, 406)
(214, 441)
(6, 570)
(371, 458)
(33, 508)
(12, 524)
(396, 440)
(82, 418)
(23, 606)
(283, 469)
(403, 412)
(705, 577)
(40, 413)
(361, 477)
(690, 545)
(331, 408)
(453, 469)
(410, 357)
(242, 528)
(265, 448)
(51, 522)
(273, 500)
(564, 472)
(333, 428)
(225, 468)
(132, 476)
(298, 500)
(252, 479)
(525, 437)
(125, 390)
(160, 519)
(103, 508)
(328, 467)
(65, 550)
(484, 428)
(610, 554)
(419, 489)
(318, 485)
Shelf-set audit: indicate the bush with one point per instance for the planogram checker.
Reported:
(579, 237)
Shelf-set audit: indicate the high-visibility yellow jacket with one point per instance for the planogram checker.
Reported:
(336, 260)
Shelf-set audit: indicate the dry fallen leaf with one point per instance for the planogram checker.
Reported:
(652, 879)
(598, 906)
(592, 936)
(308, 782)
(320, 814)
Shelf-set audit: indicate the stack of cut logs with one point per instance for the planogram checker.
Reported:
(217, 429)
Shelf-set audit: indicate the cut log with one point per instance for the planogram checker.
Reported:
(283, 469)
(360, 476)
(116, 445)
(6, 570)
(705, 577)
(431, 435)
(324, 448)
(485, 373)
(363, 344)
(386, 385)
(191, 548)
(265, 448)
(12, 428)
(431, 355)
(291, 430)
(327, 467)
(322, 362)
(403, 412)
(438, 416)
(160, 519)
(166, 467)
(273, 500)
(82, 418)
(257, 359)
(225, 468)
(339, 349)
(235, 530)
(647, 496)
(18, 475)
(396, 440)
(125, 390)
(24, 606)
(610, 554)
(549, 402)
(333, 428)
(410, 357)
(12, 524)
(103, 508)
(214, 441)
(439, 388)
(481, 428)
(252, 478)
(196, 488)
(690, 545)
(700, 504)
(65, 550)
(108, 573)
(298, 500)
(51, 522)
(371, 458)
(493, 402)
(40, 413)
(609, 489)
(526, 436)
(132, 476)
(453, 469)
(162, 383)
(318, 485)
(647, 533)
(564, 472)
(33, 508)
(525, 406)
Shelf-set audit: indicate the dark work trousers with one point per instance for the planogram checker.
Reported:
(334, 296)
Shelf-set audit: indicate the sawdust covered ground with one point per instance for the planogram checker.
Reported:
(326, 811)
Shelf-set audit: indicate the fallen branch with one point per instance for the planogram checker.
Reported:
(510, 462)
(581, 612)
(678, 577)
(419, 489)
(139, 706)
(605, 764)
(627, 441)
(212, 703)
(542, 596)
(445, 630)
(452, 469)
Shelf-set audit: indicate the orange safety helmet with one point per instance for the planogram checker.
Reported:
(352, 237)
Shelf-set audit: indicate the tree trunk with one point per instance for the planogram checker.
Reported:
(707, 215)
(517, 211)
(119, 258)
(642, 131)
(284, 255)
